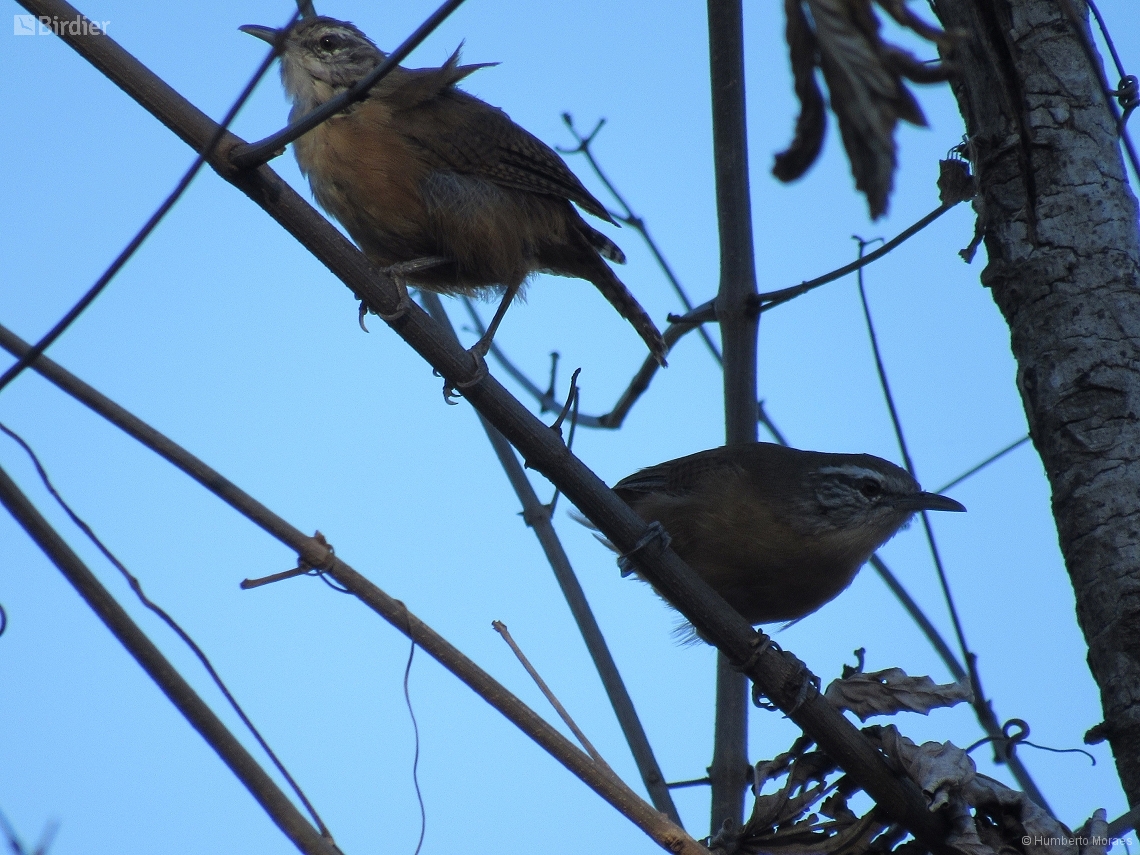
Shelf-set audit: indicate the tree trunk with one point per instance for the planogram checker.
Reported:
(1061, 233)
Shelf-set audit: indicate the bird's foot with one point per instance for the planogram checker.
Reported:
(761, 644)
(403, 304)
(653, 531)
(453, 389)
(399, 273)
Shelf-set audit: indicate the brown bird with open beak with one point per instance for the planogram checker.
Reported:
(776, 531)
(441, 188)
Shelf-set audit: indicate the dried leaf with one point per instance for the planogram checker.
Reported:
(938, 768)
(812, 120)
(1029, 829)
(811, 838)
(986, 817)
(887, 692)
(794, 797)
(864, 77)
(780, 808)
(835, 806)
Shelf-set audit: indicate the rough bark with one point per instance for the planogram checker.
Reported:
(1061, 233)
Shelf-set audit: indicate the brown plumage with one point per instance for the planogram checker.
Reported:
(777, 531)
(422, 170)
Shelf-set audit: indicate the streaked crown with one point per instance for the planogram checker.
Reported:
(320, 57)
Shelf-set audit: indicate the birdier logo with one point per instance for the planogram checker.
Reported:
(49, 25)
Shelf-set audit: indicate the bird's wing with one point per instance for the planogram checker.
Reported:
(678, 477)
(459, 132)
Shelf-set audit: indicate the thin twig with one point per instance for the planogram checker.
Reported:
(764, 302)
(571, 403)
(682, 324)
(546, 400)
(660, 829)
(537, 517)
(976, 469)
(919, 617)
(501, 628)
(692, 782)
(416, 758)
(627, 216)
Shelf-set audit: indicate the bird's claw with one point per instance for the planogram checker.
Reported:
(403, 304)
(654, 531)
(453, 389)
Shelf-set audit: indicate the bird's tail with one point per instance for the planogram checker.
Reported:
(614, 290)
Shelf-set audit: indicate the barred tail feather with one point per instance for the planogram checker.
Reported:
(605, 247)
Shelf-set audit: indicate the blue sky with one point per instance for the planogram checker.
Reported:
(226, 335)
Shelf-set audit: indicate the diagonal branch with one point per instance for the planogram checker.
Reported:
(764, 302)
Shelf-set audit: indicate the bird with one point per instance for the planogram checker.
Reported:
(777, 531)
(440, 188)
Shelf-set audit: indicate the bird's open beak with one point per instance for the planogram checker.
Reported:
(928, 502)
(266, 34)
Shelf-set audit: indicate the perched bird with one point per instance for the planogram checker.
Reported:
(439, 187)
(777, 531)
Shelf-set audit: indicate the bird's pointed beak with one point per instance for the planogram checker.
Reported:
(266, 34)
(928, 502)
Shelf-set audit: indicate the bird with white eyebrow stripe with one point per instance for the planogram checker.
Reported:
(776, 531)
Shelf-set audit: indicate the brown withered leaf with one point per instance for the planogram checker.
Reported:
(985, 816)
(864, 77)
(887, 692)
(812, 120)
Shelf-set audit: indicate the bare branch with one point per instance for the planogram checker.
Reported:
(771, 299)
(501, 628)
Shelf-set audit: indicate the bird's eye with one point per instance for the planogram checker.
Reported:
(870, 488)
(329, 42)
